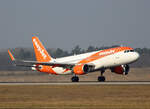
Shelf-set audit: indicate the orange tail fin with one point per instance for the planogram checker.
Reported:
(40, 52)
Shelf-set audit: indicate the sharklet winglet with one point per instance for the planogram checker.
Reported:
(11, 55)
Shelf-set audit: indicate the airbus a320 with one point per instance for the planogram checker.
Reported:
(116, 59)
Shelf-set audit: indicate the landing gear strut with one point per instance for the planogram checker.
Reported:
(75, 79)
(101, 78)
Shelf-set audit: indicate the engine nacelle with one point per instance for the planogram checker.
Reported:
(123, 69)
(81, 69)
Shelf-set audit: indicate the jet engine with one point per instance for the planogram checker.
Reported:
(82, 69)
(123, 69)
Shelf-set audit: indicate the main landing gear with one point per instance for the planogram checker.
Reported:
(101, 78)
(75, 79)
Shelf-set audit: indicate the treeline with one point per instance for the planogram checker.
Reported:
(28, 54)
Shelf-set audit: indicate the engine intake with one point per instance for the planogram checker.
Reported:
(123, 69)
(82, 69)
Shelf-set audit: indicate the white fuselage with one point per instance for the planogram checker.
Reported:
(112, 60)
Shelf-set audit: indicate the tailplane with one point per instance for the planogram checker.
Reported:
(40, 52)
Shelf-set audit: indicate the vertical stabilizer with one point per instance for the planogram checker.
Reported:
(40, 52)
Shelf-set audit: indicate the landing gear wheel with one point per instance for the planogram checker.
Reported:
(75, 79)
(101, 78)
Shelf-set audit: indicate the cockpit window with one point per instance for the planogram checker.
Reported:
(126, 51)
(131, 50)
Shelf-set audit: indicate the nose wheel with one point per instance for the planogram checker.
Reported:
(101, 78)
(75, 79)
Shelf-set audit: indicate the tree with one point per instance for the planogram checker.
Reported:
(76, 50)
(59, 53)
(91, 48)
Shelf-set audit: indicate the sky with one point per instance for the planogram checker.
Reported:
(67, 23)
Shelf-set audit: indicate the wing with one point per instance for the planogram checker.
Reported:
(32, 63)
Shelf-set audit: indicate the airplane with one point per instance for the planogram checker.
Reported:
(116, 59)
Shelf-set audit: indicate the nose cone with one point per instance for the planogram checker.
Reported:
(136, 56)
